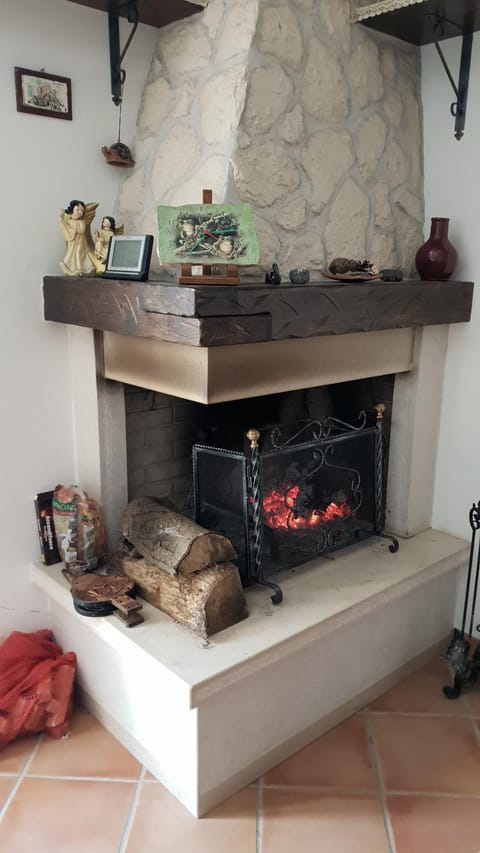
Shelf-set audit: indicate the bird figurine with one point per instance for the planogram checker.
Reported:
(118, 154)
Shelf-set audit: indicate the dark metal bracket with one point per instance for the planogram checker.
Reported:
(458, 108)
(117, 73)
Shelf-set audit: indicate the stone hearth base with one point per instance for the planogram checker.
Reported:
(208, 718)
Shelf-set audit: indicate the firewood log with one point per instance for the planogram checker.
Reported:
(171, 541)
(206, 601)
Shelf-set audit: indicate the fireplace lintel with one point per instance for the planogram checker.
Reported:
(215, 343)
(236, 372)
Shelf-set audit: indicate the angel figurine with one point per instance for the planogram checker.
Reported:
(102, 240)
(75, 223)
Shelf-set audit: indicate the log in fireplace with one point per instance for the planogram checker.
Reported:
(296, 492)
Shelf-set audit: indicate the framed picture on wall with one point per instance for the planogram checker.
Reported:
(43, 94)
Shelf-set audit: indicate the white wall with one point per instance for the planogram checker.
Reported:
(44, 162)
(452, 188)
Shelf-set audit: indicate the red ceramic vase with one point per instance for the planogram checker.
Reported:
(436, 259)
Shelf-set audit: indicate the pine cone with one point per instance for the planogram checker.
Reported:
(340, 266)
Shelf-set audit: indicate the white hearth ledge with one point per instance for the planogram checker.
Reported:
(209, 718)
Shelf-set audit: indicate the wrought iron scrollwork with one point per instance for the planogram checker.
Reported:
(355, 482)
(308, 430)
(337, 426)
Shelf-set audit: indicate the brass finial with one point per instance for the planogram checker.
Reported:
(253, 435)
(380, 409)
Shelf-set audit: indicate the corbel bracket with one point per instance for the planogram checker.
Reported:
(458, 108)
(117, 74)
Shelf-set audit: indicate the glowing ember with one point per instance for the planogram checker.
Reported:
(279, 510)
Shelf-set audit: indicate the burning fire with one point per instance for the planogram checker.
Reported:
(279, 508)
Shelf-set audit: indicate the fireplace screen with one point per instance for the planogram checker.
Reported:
(297, 492)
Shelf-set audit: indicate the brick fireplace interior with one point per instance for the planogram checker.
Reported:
(160, 429)
(160, 432)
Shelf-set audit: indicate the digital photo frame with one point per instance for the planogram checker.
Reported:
(129, 257)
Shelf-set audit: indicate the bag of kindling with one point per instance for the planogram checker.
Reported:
(79, 529)
(36, 686)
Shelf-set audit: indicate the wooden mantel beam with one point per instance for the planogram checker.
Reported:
(209, 316)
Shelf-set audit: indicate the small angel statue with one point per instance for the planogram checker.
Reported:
(102, 240)
(75, 223)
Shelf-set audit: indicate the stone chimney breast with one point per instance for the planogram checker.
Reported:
(313, 120)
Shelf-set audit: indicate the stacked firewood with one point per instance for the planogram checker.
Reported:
(181, 568)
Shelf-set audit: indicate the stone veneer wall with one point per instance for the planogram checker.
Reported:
(287, 105)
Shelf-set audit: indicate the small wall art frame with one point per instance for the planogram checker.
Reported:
(43, 94)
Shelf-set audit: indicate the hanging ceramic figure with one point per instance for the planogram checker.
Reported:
(75, 223)
(102, 240)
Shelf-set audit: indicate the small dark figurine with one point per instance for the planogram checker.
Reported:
(273, 275)
(391, 275)
(299, 276)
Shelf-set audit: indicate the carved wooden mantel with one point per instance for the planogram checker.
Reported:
(209, 316)
(213, 343)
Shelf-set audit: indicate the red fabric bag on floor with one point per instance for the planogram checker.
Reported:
(36, 686)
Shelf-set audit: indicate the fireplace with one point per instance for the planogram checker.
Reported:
(327, 440)
(174, 702)
(298, 491)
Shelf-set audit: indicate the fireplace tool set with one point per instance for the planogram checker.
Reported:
(465, 667)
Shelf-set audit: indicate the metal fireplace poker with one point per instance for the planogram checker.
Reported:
(312, 488)
(465, 668)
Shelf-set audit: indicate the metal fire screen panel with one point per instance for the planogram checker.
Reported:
(297, 492)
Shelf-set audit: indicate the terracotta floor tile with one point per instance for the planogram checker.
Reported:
(6, 785)
(421, 748)
(56, 815)
(338, 759)
(15, 754)
(472, 699)
(230, 827)
(435, 824)
(427, 754)
(89, 750)
(311, 822)
(422, 693)
(149, 777)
